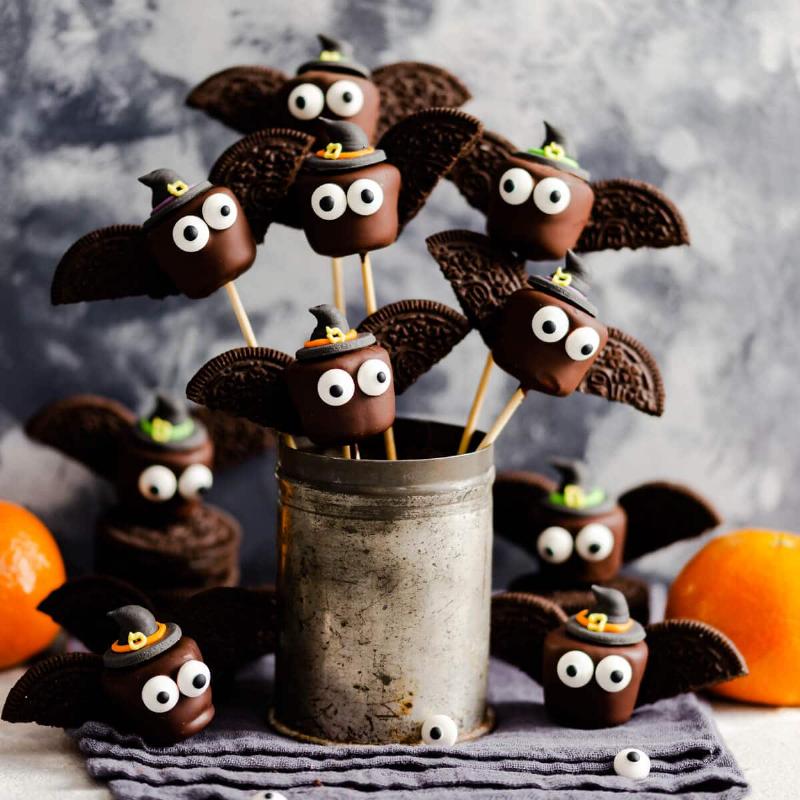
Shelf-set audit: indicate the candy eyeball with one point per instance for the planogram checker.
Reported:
(160, 694)
(374, 377)
(190, 234)
(195, 480)
(364, 196)
(439, 729)
(613, 673)
(158, 483)
(582, 343)
(194, 678)
(632, 763)
(515, 186)
(575, 669)
(306, 101)
(345, 98)
(335, 387)
(551, 196)
(329, 201)
(219, 211)
(554, 545)
(550, 324)
(267, 794)
(594, 542)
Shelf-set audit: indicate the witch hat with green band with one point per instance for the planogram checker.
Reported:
(170, 192)
(607, 622)
(576, 493)
(332, 336)
(556, 151)
(567, 283)
(170, 426)
(336, 55)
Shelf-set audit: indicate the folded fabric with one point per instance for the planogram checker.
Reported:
(526, 756)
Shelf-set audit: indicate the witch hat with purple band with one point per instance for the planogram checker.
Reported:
(336, 56)
(556, 151)
(170, 192)
(567, 283)
(141, 637)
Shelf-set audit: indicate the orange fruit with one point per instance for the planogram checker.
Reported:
(747, 584)
(30, 568)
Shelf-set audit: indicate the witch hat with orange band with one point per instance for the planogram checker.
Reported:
(141, 637)
(332, 336)
(607, 622)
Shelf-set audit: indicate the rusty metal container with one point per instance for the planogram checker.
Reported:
(384, 584)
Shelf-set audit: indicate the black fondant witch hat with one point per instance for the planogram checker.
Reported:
(170, 426)
(336, 55)
(141, 637)
(607, 622)
(332, 335)
(556, 151)
(577, 493)
(170, 192)
(348, 148)
(567, 283)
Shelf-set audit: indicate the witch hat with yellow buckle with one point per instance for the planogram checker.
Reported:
(607, 621)
(332, 336)
(141, 637)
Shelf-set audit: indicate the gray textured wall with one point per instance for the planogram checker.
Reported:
(699, 97)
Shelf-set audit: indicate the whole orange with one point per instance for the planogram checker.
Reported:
(30, 568)
(747, 584)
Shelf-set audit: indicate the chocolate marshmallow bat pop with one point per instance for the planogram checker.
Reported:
(353, 198)
(540, 203)
(340, 388)
(333, 85)
(196, 240)
(544, 331)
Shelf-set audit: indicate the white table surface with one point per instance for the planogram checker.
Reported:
(44, 764)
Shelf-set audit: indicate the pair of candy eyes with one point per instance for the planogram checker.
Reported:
(364, 197)
(576, 668)
(159, 483)
(551, 324)
(161, 694)
(550, 195)
(307, 101)
(594, 542)
(191, 233)
(336, 387)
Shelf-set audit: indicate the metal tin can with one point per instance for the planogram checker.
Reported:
(384, 587)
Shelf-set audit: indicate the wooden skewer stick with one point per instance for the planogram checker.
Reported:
(372, 307)
(338, 284)
(346, 451)
(505, 415)
(241, 315)
(477, 405)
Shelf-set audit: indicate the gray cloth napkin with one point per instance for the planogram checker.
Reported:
(526, 756)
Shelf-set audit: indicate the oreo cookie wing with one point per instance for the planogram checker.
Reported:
(107, 264)
(85, 427)
(243, 98)
(235, 439)
(517, 506)
(260, 170)
(628, 213)
(417, 334)
(626, 373)
(476, 172)
(81, 605)
(482, 275)
(410, 86)
(661, 513)
(232, 625)
(520, 623)
(62, 691)
(247, 382)
(425, 146)
(686, 656)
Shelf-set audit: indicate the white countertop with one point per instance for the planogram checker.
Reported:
(43, 763)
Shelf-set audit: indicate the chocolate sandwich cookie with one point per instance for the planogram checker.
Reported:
(540, 202)
(334, 85)
(340, 388)
(581, 534)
